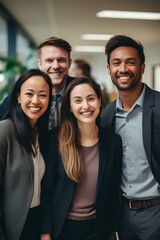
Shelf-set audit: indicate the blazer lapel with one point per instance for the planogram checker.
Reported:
(108, 116)
(29, 161)
(103, 159)
(147, 121)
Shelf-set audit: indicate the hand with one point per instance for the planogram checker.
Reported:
(46, 237)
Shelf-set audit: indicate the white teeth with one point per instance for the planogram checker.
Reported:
(34, 108)
(58, 73)
(124, 77)
(86, 113)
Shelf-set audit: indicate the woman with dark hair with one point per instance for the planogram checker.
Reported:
(21, 163)
(83, 180)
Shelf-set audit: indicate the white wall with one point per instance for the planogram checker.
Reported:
(152, 54)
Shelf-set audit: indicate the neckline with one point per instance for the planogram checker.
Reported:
(91, 145)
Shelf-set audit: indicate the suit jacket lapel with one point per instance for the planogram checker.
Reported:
(108, 116)
(103, 159)
(147, 121)
(29, 161)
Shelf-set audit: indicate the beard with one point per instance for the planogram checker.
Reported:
(133, 81)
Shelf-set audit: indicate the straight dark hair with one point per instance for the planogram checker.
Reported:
(23, 129)
(124, 41)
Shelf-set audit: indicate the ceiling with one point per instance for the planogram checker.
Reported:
(69, 19)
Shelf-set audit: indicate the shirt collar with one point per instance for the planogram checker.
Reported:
(138, 102)
(60, 93)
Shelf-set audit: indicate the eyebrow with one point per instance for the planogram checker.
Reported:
(60, 57)
(34, 90)
(92, 94)
(117, 59)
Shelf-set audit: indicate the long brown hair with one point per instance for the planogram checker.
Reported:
(69, 138)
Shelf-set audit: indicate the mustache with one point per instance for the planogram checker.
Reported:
(125, 73)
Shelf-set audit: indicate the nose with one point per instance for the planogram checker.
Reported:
(55, 64)
(35, 99)
(85, 104)
(123, 67)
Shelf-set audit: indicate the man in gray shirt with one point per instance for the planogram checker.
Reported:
(135, 116)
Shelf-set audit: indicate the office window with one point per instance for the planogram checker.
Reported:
(26, 54)
(4, 39)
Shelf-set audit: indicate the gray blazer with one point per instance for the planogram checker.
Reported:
(16, 182)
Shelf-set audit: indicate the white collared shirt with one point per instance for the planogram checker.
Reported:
(39, 170)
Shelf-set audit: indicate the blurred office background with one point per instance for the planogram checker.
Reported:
(24, 24)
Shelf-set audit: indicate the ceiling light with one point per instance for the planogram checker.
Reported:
(103, 37)
(89, 48)
(128, 15)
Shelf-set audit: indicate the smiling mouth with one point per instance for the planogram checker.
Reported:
(124, 76)
(34, 109)
(55, 73)
(86, 113)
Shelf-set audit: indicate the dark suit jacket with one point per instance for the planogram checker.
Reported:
(69, 79)
(59, 188)
(151, 127)
(4, 106)
(6, 102)
(16, 182)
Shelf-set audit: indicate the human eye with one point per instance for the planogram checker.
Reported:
(77, 100)
(91, 99)
(48, 60)
(116, 63)
(29, 94)
(62, 60)
(131, 62)
(43, 95)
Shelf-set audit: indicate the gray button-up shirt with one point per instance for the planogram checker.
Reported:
(137, 179)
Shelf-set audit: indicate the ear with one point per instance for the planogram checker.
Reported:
(70, 62)
(100, 102)
(142, 68)
(108, 68)
(18, 99)
(39, 63)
